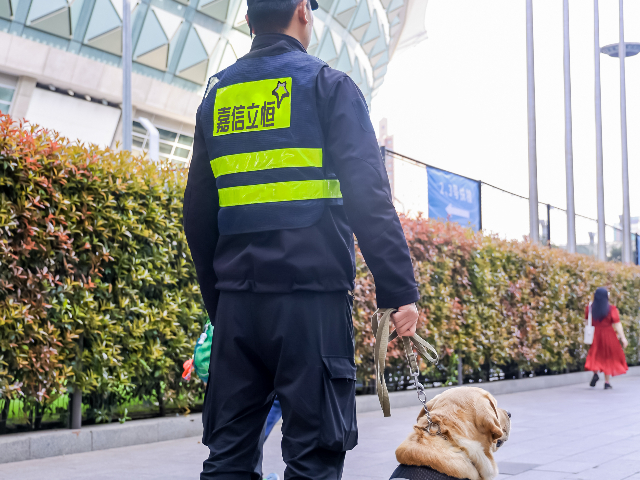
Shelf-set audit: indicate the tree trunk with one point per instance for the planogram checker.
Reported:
(4, 415)
(39, 413)
(160, 401)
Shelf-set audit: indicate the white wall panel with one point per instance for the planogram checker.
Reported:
(72, 117)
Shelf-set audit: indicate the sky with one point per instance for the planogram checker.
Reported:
(458, 101)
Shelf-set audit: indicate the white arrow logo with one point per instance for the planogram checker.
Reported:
(458, 212)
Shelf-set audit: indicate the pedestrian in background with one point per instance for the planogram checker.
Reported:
(606, 355)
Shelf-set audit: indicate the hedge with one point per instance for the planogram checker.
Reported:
(496, 303)
(98, 290)
(97, 287)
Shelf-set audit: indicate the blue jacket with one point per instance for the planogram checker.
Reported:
(320, 257)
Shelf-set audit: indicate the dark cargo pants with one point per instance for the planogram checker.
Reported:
(299, 345)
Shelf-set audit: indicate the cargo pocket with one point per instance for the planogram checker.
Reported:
(339, 430)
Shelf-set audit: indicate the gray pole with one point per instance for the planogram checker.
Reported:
(127, 120)
(602, 245)
(568, 135)
(531, 116)
(626, 213)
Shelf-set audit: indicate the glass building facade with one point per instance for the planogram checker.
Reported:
(62, 67)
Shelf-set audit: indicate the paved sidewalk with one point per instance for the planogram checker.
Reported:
(573, 432)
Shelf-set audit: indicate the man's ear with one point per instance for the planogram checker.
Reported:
(301, 11)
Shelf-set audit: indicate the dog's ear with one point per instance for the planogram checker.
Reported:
(487, 415)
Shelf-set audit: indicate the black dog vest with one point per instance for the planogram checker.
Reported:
(409, 472)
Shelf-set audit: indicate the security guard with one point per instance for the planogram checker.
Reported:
(285, 169)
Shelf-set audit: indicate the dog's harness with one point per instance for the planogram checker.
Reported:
(409, 472)
(381, 331)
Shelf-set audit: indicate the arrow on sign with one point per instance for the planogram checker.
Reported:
(458, 212)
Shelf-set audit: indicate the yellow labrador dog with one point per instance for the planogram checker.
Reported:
(471, 427)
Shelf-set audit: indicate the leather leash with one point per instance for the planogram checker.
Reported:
(380, 321)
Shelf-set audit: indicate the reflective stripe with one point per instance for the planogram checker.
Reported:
(267, 159)
(279, 192)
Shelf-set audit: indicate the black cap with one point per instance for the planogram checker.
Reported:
(314, 3)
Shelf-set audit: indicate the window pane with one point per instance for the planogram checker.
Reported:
(138, 142)
(138, 128)
(165, 148)
(6, 94)
(182, 152)
(167, 135)
(163, 158)
(185, 140)
(4, 108)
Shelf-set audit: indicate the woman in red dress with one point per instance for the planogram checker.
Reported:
(606, 355)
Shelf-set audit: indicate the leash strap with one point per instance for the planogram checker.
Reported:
(380, 321)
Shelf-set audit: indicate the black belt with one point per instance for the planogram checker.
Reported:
(410, 472)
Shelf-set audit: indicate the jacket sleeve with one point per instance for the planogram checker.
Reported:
(351, 143)
(200, 213)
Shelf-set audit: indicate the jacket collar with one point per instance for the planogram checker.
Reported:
(270, 44)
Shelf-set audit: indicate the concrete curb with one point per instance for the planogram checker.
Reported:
(28, 446)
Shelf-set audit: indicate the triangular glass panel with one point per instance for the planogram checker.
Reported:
(362, 15)
(344, 11)
(394, 14)
(327, 49)
(383, 60)
(208, 38)
(157, 58)
(395, 27)
(193, 52)
(196, 73)
(241, 22)
(169, 22)
(356, 74)
(379, 47)
(228, 58)
(6, 10)
(42, 8)
(218, 9)
(152, 36)
(117, 4)
(75, 6)
(58, 23)
(344, 62)
(104, 18)
(372, 33)
(109, 42)
(380, 72)
(325, 4)
(385, 3)
(394, 5)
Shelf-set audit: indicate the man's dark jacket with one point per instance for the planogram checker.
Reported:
(321, 257)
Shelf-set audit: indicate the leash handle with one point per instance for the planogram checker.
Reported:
(380, 325)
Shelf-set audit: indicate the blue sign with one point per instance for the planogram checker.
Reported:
(454, 198)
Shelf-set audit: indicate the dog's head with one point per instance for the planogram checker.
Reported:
(472, 429)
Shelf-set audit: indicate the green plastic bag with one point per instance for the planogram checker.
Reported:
(202, 353)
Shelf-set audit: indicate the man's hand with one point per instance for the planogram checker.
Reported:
(405, 320)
